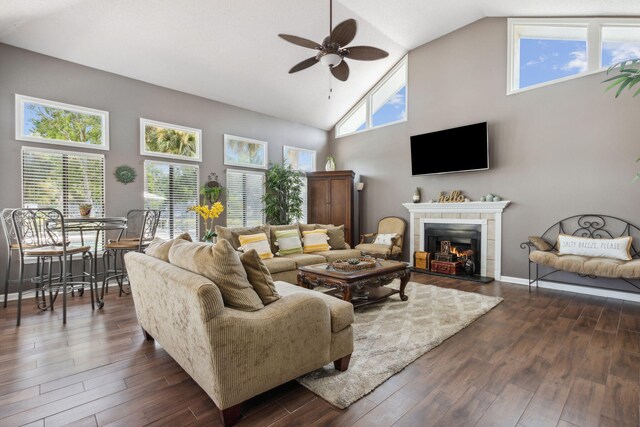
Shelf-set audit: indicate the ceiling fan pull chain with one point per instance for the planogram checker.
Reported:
(330, 86)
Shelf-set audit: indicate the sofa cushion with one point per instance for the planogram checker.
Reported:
(279, 264)
(601, 267)
(220, 264)
(306, 259)
(272, 234)
(259, 277)
(315, 241)
(232, 234)
(159, 248)
(339, 254)
(372, 248)
(341, 311)
(336, 236)
(258, 242)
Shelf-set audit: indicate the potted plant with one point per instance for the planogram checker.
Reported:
(628, 76)
(212, 190)
(283, 194)
(208, 213)
(85, 209)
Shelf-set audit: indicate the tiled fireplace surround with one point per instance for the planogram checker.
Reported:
(486, 214)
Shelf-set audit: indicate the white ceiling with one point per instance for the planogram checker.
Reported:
(228, 50)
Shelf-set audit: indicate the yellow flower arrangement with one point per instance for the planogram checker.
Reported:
(208, 214)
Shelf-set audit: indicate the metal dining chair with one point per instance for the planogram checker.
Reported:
(142, 225)
(41, 234)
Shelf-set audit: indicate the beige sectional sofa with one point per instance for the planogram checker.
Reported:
(235, 355)
(285, 268)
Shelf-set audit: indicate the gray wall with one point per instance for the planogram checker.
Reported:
(565, 149)
(127, 100)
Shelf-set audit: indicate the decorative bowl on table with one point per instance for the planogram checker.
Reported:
(354, 264)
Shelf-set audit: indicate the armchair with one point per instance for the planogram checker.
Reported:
(370, 245)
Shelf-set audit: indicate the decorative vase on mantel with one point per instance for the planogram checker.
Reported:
(330, 166)
(416, 195)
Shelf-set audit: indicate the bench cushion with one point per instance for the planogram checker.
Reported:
(601, 267)
(341, 311)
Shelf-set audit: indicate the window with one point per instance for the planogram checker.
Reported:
(63, 180)
(244, 198)
(166, 140)
(40, 120)
(172, 188)
(545, 51)
(304, 161)
(385, 104)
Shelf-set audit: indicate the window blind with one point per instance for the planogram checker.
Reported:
(244, 198)
(64, 180)
(172, 188)
(303, 193)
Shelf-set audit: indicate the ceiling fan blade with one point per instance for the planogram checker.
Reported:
(344, 32)
(341, 71)
(304, 64)
(366, 53)
(300, 41)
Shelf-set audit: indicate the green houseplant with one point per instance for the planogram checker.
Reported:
(283, 194)
(628, 75)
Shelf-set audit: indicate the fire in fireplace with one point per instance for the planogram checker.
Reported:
(464, 241)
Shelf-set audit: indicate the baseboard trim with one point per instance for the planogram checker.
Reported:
(607, 293)
(31, 293)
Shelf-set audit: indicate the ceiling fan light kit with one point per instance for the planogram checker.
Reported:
(333, 52)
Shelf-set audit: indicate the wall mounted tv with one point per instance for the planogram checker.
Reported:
(460, 149)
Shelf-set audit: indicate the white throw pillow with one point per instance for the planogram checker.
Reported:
(385, 239)
(288, 242)
(315, 241)
(259, 242)
(605, 248)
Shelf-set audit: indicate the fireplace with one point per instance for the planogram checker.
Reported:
(465, 241)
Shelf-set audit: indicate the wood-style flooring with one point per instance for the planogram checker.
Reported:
(545, 359)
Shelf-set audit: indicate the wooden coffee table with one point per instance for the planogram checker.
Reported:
(360, 287)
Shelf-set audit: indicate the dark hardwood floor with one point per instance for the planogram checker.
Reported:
(549, 358)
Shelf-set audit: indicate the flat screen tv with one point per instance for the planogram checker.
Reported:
(460, 149)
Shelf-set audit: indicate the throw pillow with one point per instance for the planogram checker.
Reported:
(315, 241)
(259, 277)
(539, 243)
(220, 264)
(259, 242)
(306, 227)
(232, 235)
(159, 248)
(288, 242)
(385, 239)
(336, 236)
(274, 228)
(606, 248)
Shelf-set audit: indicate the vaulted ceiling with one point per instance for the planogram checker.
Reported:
(228, 50)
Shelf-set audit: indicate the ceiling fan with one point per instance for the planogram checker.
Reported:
(333, 51)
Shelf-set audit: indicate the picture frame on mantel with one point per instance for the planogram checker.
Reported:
(245, 152)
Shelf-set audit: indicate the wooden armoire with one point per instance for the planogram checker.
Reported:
(330, 200)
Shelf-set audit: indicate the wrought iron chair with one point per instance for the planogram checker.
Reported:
(141, 230)
(41, 234)
(393, 250)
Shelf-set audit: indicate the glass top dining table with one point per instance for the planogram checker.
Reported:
(98, 225)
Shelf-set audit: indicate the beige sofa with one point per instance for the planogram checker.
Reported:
(235, 355)
(285, 268)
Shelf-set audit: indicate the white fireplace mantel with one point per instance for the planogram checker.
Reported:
(488, 214)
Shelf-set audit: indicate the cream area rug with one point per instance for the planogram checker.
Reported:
(390, 335)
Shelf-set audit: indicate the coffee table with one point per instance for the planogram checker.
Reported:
(361, 287)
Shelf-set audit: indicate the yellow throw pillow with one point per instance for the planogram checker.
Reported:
(259, 242)
(315, 241)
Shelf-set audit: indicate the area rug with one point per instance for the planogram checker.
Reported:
(390, 335)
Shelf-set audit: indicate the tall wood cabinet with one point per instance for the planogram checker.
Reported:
(330, 200)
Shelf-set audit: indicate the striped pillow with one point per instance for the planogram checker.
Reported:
(315, 241)
(259, 242)
(288, 242)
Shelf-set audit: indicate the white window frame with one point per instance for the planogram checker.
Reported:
(367, 100)
(161, 162)
(286, 148)
(594, 46)
(20, 100)
(143, 145)
(244, 171)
